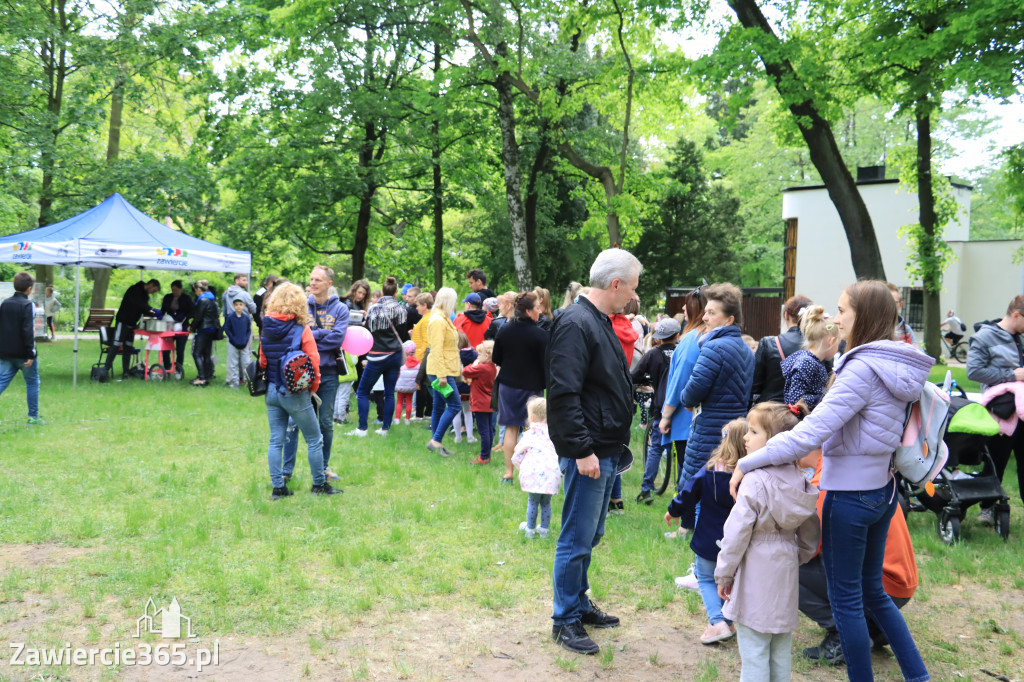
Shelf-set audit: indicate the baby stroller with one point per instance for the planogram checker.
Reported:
(954, 491)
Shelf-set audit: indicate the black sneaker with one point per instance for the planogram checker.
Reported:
(596, 618)
(829, 651)
(646, 497)
(616, 507)
(325, 489)
(280, 492)
(573, 636)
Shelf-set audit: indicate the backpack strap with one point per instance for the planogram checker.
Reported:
(296, 343)
(778, 344)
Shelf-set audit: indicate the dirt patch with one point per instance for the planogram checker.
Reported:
(35, 556)
(961, 630)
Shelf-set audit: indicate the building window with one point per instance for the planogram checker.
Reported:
(913, 307)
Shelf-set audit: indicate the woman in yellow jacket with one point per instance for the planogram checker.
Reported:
(424, 398)
(443, 364)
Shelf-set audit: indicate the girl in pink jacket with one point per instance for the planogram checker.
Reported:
(772, 529)
(539, 473)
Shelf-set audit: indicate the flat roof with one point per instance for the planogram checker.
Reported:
(886, 181)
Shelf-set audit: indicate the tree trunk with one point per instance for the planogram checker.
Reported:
(54, 58)
(821, 143)
(100, 283)
(602, 174)
(438, 196)
(510, 161)
(541, 166)
(114, 130)
(932, 279)
(362, 238)
(101, 276)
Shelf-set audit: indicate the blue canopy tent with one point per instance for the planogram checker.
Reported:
(115, 234)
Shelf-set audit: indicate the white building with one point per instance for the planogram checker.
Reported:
(978, 284)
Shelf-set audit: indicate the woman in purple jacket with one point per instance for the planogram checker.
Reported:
(858, 425)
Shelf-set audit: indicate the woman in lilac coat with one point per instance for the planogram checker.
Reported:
(858, 425)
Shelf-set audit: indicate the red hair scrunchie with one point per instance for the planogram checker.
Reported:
(795, 410)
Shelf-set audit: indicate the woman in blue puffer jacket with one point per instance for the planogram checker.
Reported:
(718, 390)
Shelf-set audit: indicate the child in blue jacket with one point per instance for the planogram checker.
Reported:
(710, 488)
(238, 330)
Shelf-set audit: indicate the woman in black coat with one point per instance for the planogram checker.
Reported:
(519, 349)
(769, 383)
(205, 323)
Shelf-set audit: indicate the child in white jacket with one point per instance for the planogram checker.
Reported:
(539, 473)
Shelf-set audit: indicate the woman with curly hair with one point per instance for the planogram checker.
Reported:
(287, 316)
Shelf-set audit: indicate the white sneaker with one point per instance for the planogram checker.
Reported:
(543, 532)
(528, 532)
(688, 582)
(470, 439)
(986, 517)
(381, 432)
(357, 432)
(458, 439)
(330, 475)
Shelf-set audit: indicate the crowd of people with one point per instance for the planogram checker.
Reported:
(785, 486)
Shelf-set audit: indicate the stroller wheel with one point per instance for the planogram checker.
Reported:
(949, 528)
(1003, 523)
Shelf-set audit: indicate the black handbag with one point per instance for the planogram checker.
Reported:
(256, 378)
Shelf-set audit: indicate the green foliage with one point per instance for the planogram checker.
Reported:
(697, 233)
(928, 255)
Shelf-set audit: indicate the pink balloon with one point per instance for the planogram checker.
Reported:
(358, 340)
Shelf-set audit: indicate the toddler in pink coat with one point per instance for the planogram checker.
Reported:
(539, 473)
(771, 530)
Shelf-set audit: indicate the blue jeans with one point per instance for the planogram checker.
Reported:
(388, 367)
(8, 368)
(583, 514)
(444, 411)
(299, 407)
(616, 488)
(654, 453)
(485, 430)
(327, 391)
(854, 527)
(704, 570)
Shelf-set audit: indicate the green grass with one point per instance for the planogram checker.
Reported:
(166, 487)
(938, 373)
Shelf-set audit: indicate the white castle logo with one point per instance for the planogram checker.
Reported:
(170, 621)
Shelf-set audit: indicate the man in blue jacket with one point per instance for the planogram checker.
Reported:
(590, 409)
(329, 318)
(18, 344)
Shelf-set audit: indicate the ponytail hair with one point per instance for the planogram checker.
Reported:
(816, 327)
(774, 418)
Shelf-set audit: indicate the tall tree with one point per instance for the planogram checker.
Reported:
(922, 50)
(803, 102)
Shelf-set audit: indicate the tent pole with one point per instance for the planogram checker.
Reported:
(78, 294)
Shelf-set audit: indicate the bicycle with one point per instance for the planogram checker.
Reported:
(956, 351)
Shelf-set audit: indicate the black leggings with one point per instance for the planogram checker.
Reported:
(202, 353)
(1000, 448)
(680, 446)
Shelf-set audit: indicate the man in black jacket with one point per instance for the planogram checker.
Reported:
(133, 306)
(590, 409)
(18, 344)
